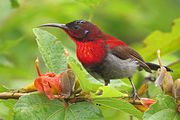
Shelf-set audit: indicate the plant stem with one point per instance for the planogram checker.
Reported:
(11, 95)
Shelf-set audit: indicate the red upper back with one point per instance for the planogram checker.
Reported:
(113, 42)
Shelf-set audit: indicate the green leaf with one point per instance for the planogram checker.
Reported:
(81, 75)
(5, 62)
(39, 107)
(7, 108)
(52, 51)
(154, 90)
(163, 109)
(122, 85)
(83, 111)
(118, 104)
(5, 105)
(176, 70)
(3, 88)
(14, 3)
(166, 42)
(109, 92)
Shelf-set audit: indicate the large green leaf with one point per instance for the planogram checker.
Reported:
(7, 109)
(81, 75)
(163, 109)
(39, 107)
(51, 50)
(83, 111)
(6, 106)
(5, 62)
(166, 42)
(118, 104)
(109, 92)
(154, 90)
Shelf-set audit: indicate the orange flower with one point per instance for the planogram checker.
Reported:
(48, 83)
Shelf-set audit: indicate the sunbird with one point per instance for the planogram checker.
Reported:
(104, 56)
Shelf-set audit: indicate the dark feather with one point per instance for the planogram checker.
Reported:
(124, 52)
(156, 67)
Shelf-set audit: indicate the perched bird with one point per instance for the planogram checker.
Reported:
(104, 56)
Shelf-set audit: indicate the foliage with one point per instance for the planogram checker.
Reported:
(163, 109)
(48, 44)
(109, 92)
(14, 3)
(88, 112)
(166, 42)
(6, 105)
(28, 106)
(128, 20)
(81, 75)
(119, 105)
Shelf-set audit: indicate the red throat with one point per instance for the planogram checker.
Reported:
(91, 52)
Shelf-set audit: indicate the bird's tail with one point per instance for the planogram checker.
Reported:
(153, 66)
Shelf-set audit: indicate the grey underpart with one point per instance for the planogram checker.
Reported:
(113, 67)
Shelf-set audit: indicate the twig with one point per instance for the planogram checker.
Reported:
(11, 95)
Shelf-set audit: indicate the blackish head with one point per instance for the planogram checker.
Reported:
(79, 30)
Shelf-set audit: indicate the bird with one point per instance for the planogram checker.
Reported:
(102, 55)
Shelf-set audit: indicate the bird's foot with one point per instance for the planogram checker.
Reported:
(135, 96)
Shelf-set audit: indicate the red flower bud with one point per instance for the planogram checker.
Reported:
(147, 101)
(143, 104)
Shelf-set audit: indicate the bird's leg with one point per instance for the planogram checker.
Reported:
(134, 93)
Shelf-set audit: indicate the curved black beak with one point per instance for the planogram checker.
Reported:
(62, 26)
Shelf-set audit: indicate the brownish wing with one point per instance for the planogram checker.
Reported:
(124, 52)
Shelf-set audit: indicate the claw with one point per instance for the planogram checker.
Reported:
(134, 95)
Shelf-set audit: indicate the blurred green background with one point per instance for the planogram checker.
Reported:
(129, 20)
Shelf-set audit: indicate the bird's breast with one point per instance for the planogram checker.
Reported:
(91, 53)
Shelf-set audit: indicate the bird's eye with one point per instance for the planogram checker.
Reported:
(81, 22)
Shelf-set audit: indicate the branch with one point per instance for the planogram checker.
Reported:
(11, 95)
(16, 95)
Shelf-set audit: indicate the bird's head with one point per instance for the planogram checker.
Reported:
(78, 30)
